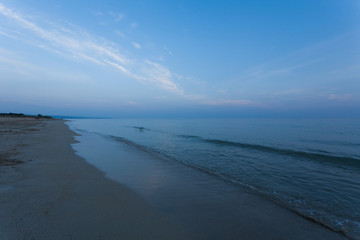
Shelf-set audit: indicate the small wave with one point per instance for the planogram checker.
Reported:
(189, 137)
(332, 143)
(128, 142)
(153, 152)
(326, 221)
(347, 228)
(323, 157)
(141, 129)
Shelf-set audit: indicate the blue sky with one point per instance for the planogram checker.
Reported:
(181, 58)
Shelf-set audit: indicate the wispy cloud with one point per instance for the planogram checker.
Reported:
(195, 97)
(160, 75)
(168, 51)
(311, 56)
(289, 92)
(350, 71)
(268, 72)
(136, 45)
(134, 25)
(340, 97)
(233, 102)
(7, 34)
(222, 91)
(120, 34)
(82, 46)
(117, 16)
(97, 13)
(131, 103)
(12, 63)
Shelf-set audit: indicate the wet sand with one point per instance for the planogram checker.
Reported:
(48, 192)
(54, 194)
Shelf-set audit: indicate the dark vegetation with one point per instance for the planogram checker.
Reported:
(21, 115)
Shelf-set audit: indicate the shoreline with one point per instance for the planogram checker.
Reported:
(55, 194)
(208, 207)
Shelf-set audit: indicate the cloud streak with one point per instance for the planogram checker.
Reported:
(81, 46)
(340, 97)
(8, 60)
(236, 102)
(136, 45)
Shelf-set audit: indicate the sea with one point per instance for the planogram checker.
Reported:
(309, 166)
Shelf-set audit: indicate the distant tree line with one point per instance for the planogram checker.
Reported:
(21, 115)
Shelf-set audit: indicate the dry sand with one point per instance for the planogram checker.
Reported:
(48, 192)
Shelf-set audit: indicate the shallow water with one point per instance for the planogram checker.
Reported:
(309, 166)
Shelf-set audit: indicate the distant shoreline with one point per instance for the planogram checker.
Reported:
(22, 115)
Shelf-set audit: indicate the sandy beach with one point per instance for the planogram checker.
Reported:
(48, 192)
(54, 194)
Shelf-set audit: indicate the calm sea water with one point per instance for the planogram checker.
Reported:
(309, 166)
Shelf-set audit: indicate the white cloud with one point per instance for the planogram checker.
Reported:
(119, 67)
(160, 75)
(136, 45)
(79, 45)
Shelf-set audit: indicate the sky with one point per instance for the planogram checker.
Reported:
(180, 58)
